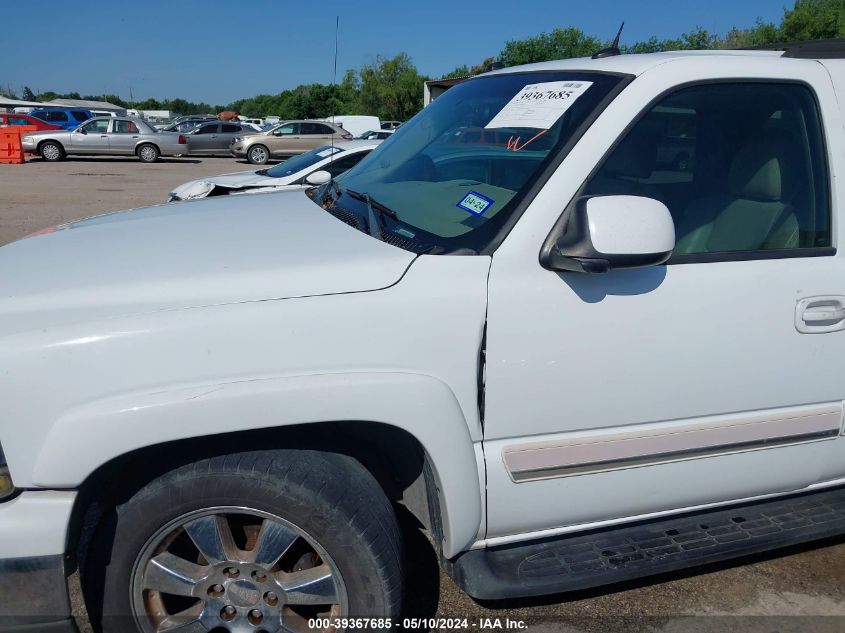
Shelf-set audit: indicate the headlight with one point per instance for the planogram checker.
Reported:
(237, 139)
(6, 486)
(27, 139)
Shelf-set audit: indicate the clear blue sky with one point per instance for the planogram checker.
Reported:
(215, 51)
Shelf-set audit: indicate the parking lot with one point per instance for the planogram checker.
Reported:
(805, 583)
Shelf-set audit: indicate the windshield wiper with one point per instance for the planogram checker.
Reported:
(372, 206)
(332, 187)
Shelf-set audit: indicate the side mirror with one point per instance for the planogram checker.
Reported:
(81, 131)
(604, 233)
(320, 177)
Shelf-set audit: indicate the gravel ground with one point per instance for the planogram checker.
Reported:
(801, 590)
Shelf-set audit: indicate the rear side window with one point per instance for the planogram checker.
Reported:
(228, 127)
(56, 116)
(315, 128)
(124, 127)
(80, 116)
(40, 115)
(741, 167)
(13, 120)
(208, 129)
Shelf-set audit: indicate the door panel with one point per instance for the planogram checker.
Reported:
(203, 140)
(124, 137)
(651, 390)
(94, 141)
(284, 141)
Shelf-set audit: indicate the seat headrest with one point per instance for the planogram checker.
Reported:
(635, 156)
(763, 169)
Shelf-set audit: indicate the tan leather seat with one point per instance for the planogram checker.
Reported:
(757, 213)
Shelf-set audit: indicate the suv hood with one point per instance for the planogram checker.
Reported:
(206, 252)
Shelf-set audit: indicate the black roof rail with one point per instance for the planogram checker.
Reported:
(817, 49)
(808, 49)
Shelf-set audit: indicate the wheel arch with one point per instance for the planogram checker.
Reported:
(142, 143)
(50, 140)
(415, 442)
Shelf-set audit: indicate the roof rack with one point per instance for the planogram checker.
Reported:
(810, 49)
(817, 49)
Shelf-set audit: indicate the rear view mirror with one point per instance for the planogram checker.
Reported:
(604, 233)
(318, 177)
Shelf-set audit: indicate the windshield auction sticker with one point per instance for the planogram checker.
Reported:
(539, 106)
(475, 203)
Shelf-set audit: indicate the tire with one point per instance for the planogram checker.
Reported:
(323, 511)
(258, 155)
(147, 153)
(51, 151)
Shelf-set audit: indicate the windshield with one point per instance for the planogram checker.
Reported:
(454, 174)
(303, 161)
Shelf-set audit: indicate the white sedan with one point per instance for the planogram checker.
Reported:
(290, 174)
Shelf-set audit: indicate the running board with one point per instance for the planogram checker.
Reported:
(625, 552)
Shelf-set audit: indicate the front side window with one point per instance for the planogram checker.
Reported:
(98, 126)
(458, 170)
(287, 129)
(14, 120)
(740, 166)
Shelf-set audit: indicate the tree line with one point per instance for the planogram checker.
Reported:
(391, 88)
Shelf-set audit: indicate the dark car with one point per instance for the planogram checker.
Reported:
(66, 118)
(184, 124)
(214, 137)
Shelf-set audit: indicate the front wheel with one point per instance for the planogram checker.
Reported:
(258, 155)
(51, 151)
(259, 541)
(148, 153)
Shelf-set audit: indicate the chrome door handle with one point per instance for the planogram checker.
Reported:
(135, 136)
(814, 315)
(103, 136)
(817, 315)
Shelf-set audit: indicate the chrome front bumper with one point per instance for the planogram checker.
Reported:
(34, 596)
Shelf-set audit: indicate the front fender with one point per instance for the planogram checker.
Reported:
(422, 405)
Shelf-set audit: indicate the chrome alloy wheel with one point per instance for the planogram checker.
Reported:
(258, 155)
(148, 153)
(234, 569)
(51, 151)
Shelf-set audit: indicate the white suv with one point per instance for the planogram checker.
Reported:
(575, 358)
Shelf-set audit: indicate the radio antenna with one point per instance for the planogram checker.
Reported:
(334, 78)
(613, 49)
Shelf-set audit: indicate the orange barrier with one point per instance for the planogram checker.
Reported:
(23, 130)
(10, 143)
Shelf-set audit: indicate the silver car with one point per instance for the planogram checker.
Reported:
(118, 136)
